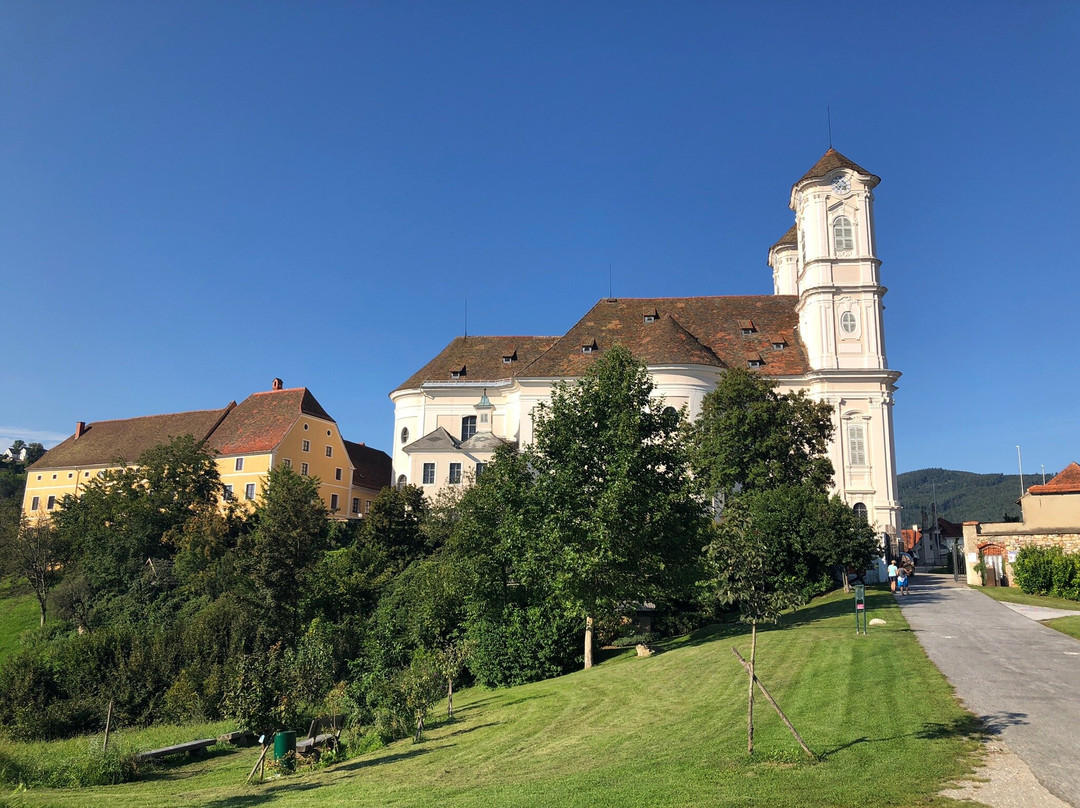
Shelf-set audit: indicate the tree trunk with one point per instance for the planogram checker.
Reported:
(41, 604)
(419, 727)
(588, 642)
(449, 697)
(750, 703)
(844, 578)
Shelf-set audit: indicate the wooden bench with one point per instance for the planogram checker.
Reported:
(240, 737)
(317, 738)
(190, 747)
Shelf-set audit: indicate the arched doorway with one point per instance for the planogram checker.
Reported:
(992, 557)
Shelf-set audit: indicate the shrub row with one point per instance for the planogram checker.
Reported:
(1048, 571)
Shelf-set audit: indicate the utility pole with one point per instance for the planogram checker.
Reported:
(1020, 463)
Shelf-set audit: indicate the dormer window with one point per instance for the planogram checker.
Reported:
(747, 327)
(651, 315)
(457, 374)
(842, 234)
(510, 357)
(779, 344)
(754, 361)
(589, 346)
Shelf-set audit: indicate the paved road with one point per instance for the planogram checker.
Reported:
(1020, 677)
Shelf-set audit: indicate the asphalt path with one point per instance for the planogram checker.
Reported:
(1020, 677)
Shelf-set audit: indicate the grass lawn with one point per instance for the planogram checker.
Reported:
(1013, 594)
(668, 730)
(18, 612)
(1066, 625)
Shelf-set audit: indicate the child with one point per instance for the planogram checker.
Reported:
(892, 575)
(902, 580)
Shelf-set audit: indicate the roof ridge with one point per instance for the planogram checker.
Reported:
(156, 415)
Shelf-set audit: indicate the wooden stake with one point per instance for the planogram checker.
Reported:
(262, 758)
(776, 706)
(750, 697)
(108, 724)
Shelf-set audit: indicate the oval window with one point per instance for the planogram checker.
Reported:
(404, 434)
(847, 322)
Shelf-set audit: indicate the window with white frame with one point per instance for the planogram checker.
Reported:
(856, 438)
(848, 323)
(51, 503)
(842, 234)
(304, 469)
(227, 495)
(429, 474)
(239, 465)
(356, 504)
(367, 507)
(34, 503)
(468, 427)
(334, 503)
(329, 451)
(860, 511)
(480, 469)
(455, 474)
(287, 463)
(337, 474)
(249, 492)
(305, 446)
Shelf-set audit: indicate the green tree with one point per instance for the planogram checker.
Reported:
(395, 525)
(749, 437)
(621, 521)
(291, 525)
(753, 565)
(33, 550)
(117, 526)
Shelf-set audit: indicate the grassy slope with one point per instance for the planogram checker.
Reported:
(18, 612)
(663, 731)
(1013, 594)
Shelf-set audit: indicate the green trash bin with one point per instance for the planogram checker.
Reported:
(284, 742)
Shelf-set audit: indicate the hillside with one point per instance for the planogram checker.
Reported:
(961, 495)
(664, 732)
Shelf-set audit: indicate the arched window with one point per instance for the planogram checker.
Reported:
(856, 437)
(842, 237)
(860, 511)
(468, 427)
(404, 434)
(401, 481)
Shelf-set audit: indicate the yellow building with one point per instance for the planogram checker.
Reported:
(267, 429)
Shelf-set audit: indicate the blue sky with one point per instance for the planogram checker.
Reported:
(197, 197)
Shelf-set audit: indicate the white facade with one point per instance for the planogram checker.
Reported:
(826, 277)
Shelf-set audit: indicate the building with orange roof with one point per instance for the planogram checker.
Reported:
(821, 330)
(275, 427)
(1050, 517)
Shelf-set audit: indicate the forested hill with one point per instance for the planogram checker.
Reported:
(961, 495)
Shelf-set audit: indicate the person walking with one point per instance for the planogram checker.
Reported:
(902, 580)
(892, 575)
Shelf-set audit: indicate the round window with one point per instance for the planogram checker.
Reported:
(404, 434)
(847, 322)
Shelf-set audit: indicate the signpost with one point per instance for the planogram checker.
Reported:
(860, 609)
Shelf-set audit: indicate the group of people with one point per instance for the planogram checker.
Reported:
(900, 575)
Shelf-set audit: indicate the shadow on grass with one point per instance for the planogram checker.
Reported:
(966, 727)
(368, 763)
(265, 795)
(175, 767)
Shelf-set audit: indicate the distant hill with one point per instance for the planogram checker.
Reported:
(961, 495)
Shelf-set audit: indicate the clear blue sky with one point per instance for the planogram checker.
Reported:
(197, 197)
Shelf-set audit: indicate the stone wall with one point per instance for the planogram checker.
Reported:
(1011, 536)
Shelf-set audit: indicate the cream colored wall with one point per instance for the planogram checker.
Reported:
(315, 431)
(1051, 510)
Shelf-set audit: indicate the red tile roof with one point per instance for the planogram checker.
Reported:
(261, 421)
(832, 160)
(910, 538)
(103, 443)
(372, 468)
(482, 358)
(689, 331)
(1066, 482)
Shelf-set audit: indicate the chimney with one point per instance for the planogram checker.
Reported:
(80, 427)
(277, 385)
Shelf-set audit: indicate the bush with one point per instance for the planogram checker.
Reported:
(523, 644)
(1048, 571)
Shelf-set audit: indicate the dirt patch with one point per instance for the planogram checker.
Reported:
(1004, 781)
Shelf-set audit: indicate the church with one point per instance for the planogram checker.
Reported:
(821, 330)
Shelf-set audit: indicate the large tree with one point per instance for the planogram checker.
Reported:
(748, 436)
(620, 518)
